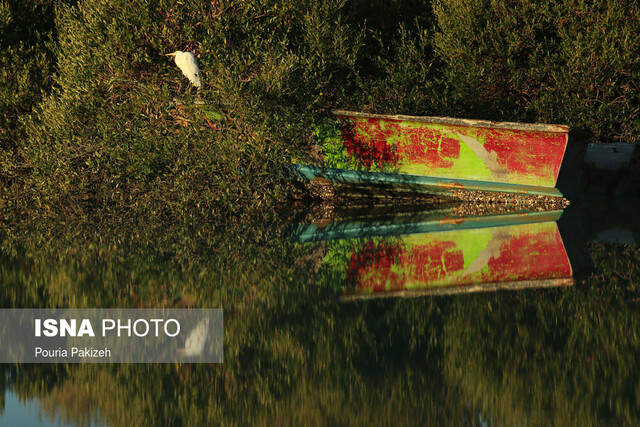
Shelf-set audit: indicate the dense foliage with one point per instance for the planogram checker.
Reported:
(97, 119)
(572, 61)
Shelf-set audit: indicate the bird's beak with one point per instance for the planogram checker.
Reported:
(170, 54)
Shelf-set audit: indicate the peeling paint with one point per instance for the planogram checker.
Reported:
(490, 159)
(521, 154)
(456, 258)
(491, 251)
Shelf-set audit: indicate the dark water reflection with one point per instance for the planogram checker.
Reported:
(296, 353)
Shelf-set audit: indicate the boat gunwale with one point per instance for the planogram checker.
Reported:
(530, 127)
(439, 185)
(314, 232)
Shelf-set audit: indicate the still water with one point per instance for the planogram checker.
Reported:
(348, 315)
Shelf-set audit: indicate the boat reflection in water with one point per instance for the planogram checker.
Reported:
(438, 252)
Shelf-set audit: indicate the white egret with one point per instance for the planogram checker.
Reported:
(188, 65)
(194, 344)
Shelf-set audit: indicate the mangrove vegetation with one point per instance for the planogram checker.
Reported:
(97, 121)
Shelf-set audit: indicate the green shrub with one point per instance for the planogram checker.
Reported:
(573, 62)
(111, 135)
(120, 131)
(27, 63)
(409, 82)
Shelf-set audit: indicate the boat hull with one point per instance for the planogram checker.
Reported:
(439, 154)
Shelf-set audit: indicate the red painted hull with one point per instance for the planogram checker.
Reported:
(529, 155)
(530, 252)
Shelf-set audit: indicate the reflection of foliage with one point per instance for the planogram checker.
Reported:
(532, 363)
(553, 358)
(3, 381)
(295, 355)
(286, 343)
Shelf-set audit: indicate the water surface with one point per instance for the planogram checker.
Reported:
(341, 328)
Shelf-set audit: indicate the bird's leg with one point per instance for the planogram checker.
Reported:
(198, 100)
